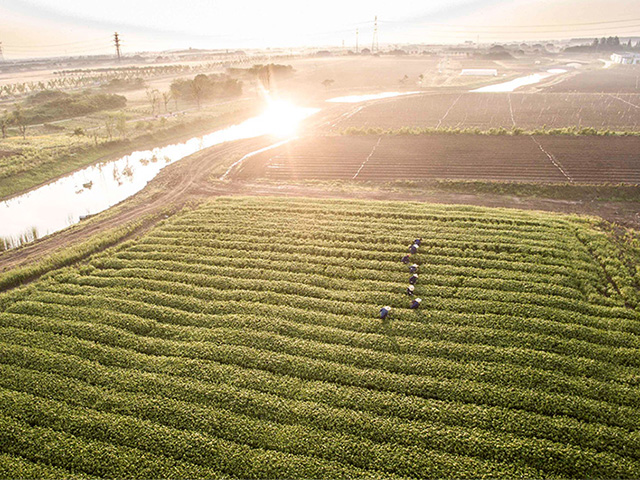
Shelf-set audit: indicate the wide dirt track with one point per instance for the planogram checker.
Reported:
(528, 111)
(554, 159)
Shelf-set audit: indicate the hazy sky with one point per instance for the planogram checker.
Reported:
(55, 27)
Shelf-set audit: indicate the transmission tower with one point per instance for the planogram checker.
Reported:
(116, 42)
(357, 34)
(1, 54)
(374, 44)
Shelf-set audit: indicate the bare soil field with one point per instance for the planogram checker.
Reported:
(554, 159)
(616, 79)
(493, 110)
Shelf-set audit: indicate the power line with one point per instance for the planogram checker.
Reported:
(574, 32)
(562, 25)
(57, 45)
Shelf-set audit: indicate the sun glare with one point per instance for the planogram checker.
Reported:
(283, 118)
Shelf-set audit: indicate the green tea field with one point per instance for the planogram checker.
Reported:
(242, 339)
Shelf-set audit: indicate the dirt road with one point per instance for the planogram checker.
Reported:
(189, 181)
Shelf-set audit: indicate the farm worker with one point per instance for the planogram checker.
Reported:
(413, 279)
(384, 311)
(416, 303)
(413, 268)
(413, 248)
(410, 290)
(417, 241)
(406, 258)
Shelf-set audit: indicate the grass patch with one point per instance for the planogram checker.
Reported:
(569, 131)
(35, 166)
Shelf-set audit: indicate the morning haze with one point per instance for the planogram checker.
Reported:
(300, 240)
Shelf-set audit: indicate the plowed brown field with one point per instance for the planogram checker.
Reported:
(492, 110)
(555, 159)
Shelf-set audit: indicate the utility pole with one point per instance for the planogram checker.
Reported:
(116, 41)
(374, 43)
(357, 33)
(1, 54)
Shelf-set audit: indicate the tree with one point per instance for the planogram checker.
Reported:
(20, 121)
(328, 82)
(5, 121)
(153, 97)
(166, 96)
(121, 124)
(175, 93)
(198, 87)
(110, 125)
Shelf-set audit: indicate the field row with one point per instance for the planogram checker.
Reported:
(549, 159)
(241, 339)
(529, 111)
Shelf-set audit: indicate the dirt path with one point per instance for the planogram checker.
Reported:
(175, 185)
(189, 181)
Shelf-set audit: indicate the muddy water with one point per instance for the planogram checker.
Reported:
(91, 190)
(519, 82)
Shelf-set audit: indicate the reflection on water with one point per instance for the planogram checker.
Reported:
(365, 98)
(91, 190)
(519, 82)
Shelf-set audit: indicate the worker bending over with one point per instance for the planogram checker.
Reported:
(413, 279)
(410, 290)
(413, 268)
(406, 259)
(413, 249)
(416, 303)
(384, 311)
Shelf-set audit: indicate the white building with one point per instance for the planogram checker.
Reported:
(626, 58)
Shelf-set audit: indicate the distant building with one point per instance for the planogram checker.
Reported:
(626, 58)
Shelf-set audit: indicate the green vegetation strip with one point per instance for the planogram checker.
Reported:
(241, 339)
(67, 256)
(514, 131)
(33, 164)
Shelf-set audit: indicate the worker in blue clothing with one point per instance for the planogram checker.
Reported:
(384, 312)
(406, 259)
(413, 279)
(413, 268)
(416, 303)
(413, 249)
(417, 241)
(410, 290)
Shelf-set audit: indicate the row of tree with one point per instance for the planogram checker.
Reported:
(205, 87)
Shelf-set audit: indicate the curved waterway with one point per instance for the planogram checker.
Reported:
(511, 85)
(68, 200)
(366, 98)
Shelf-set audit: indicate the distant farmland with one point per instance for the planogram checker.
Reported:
(482, 110)
(242, 340)
(618, 79)
(548, 158)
